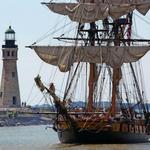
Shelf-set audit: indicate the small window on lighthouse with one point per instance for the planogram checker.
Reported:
(1, 93)
(13, 74)
(12, 53)
(8, 53)
(14, 100)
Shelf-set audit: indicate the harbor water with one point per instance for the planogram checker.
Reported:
(40, 138)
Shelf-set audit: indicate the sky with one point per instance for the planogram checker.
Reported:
(31, 20)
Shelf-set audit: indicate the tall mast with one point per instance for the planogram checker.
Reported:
(92, 32)
(116, 72)
(115, 84)
(92, 68)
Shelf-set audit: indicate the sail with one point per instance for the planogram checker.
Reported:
(65, 56)
(90, 12)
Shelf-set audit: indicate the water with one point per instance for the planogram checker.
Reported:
(37, 138)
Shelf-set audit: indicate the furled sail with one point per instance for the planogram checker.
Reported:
(86, 12)
(65, 56)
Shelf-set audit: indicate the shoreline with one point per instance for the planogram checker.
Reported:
(24, 120)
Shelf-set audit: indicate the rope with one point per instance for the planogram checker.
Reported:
(30, 93)
(47, 35)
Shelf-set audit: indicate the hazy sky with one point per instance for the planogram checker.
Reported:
(31, 20)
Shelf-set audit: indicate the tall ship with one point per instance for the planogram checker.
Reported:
(99, 59)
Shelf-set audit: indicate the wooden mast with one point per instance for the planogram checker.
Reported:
(116, 74)
(92, 69)
(115, 83)
(92, 32)
(117, 71)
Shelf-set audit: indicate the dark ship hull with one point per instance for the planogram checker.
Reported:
(102, 130)
(71, 136)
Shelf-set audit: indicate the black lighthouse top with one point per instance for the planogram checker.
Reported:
(9, 38)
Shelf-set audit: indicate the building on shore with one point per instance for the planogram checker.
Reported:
(9, 89)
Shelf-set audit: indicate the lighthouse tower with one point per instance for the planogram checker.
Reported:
(9, 91)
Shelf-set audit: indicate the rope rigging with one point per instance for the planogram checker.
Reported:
(118, 33)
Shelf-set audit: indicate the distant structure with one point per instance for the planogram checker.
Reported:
(9, 91)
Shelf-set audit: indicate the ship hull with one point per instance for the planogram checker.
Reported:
(87, 136)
